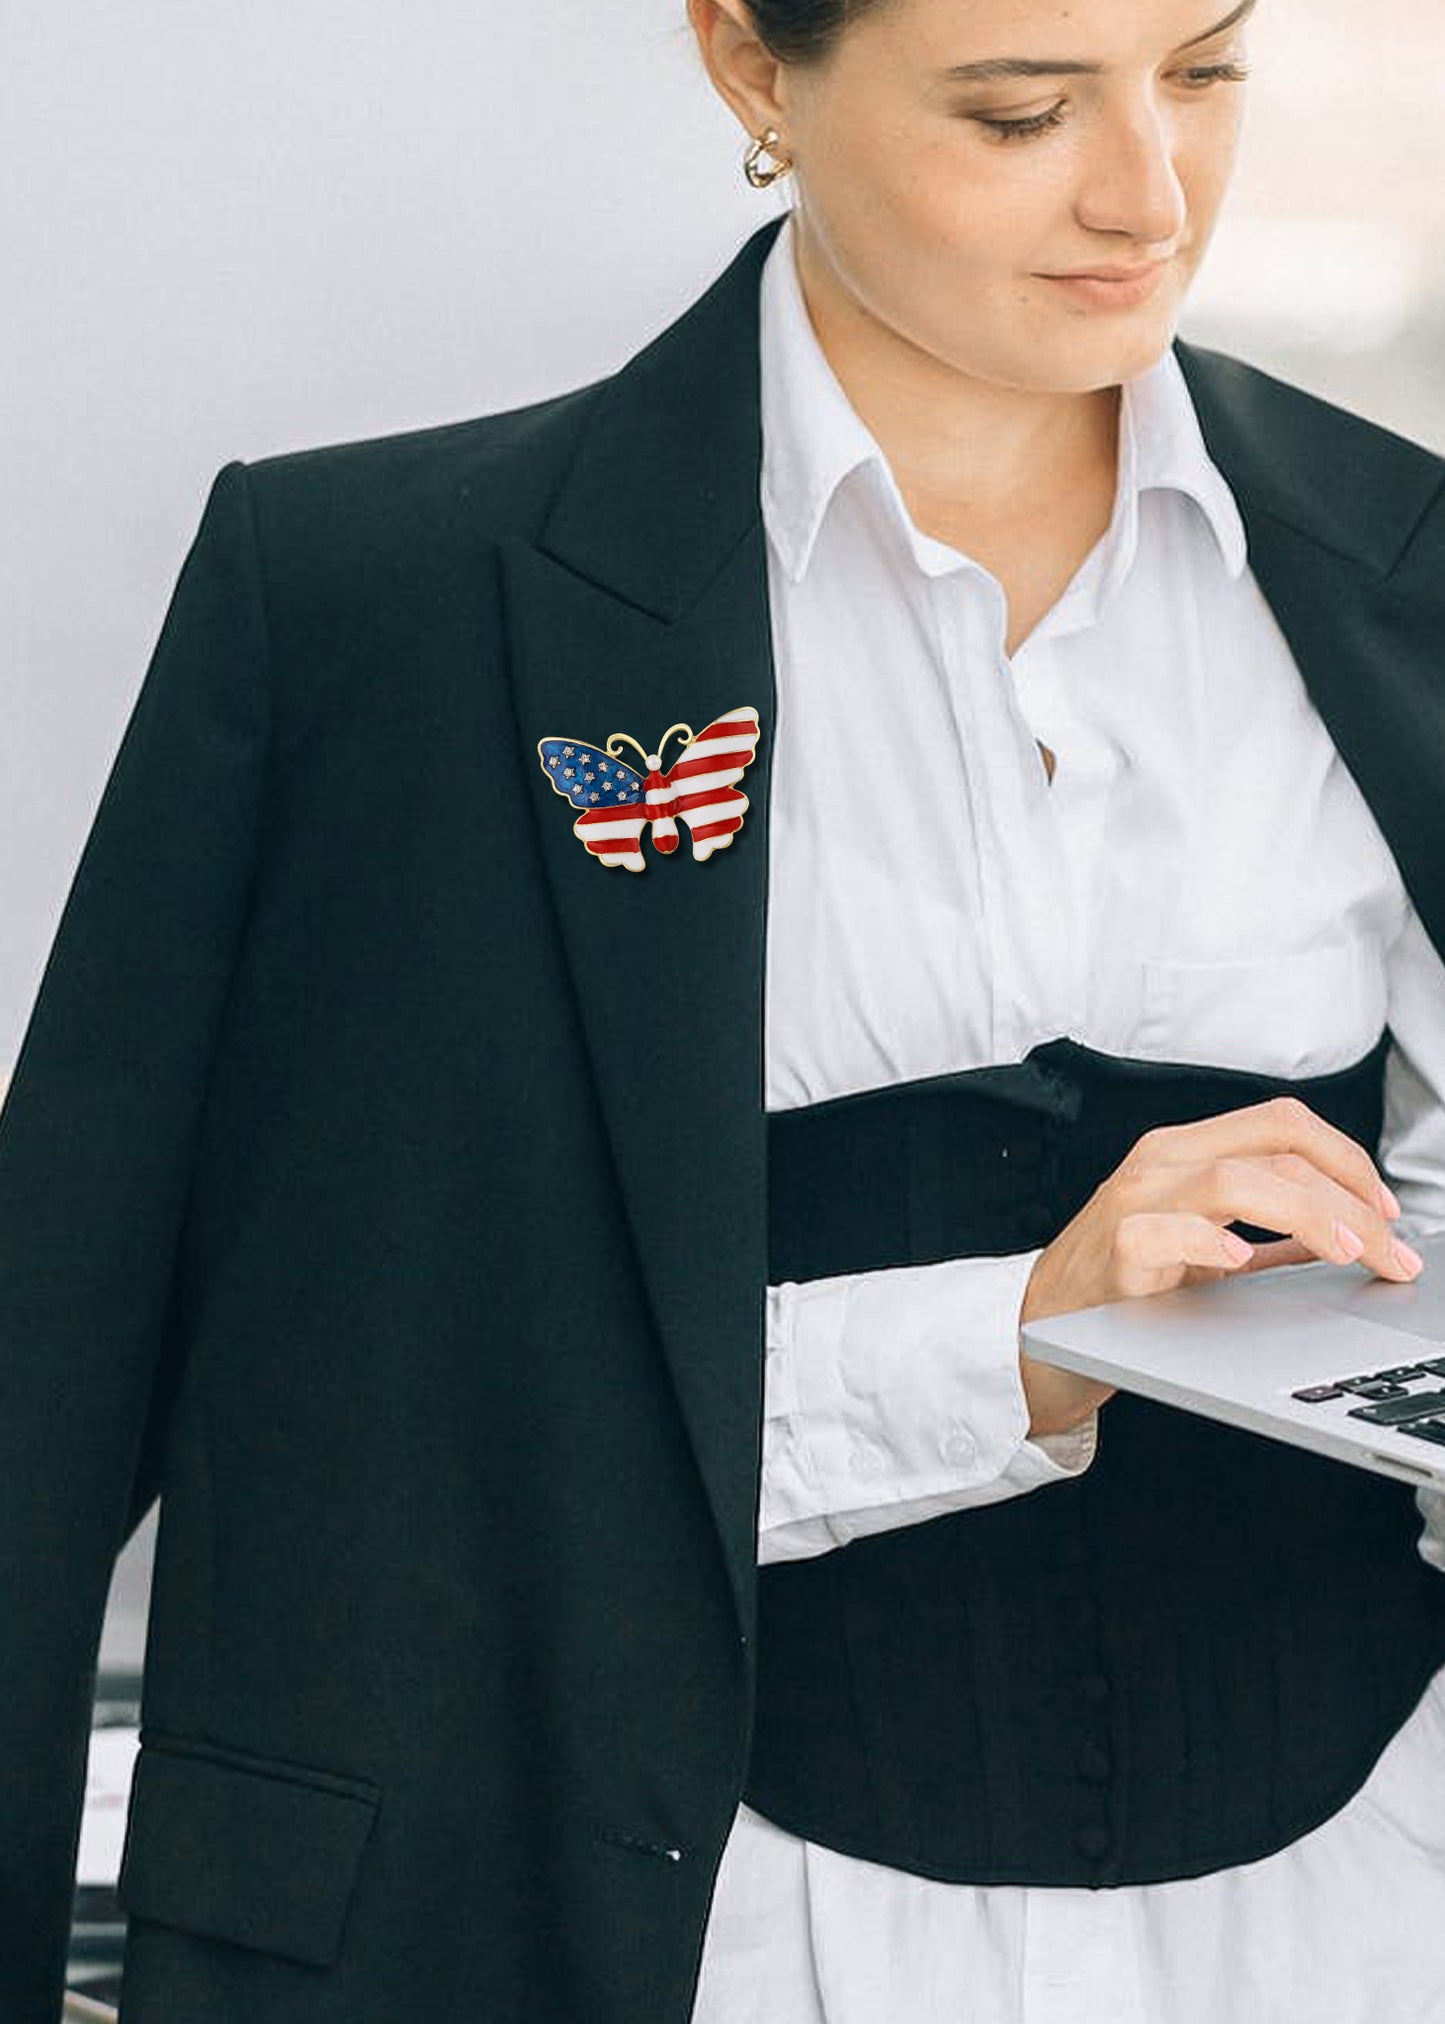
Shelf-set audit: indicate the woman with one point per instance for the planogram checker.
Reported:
(433, 1214)
(998, 212)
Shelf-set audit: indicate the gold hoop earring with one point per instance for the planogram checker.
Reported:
(763, 177)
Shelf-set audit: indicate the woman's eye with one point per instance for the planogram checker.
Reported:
(1205, 74)
(1024, 129)
(1199, 77)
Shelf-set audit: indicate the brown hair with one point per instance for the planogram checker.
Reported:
(804, 31)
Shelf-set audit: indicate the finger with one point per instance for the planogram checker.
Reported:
(1151, 1250)
(1288, 1194)
(1285, 1251)
(1265, 1130)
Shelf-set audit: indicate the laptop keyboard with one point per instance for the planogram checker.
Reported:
(1408, 1397)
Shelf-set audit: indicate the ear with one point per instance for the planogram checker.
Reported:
(743, 69)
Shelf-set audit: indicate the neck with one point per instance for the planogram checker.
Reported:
(946, 435)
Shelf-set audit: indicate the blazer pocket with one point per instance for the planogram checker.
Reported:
(261, 1853)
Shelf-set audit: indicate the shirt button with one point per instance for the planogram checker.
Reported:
(959, 1448)
(1093, 1842)
(865, 1462)
(1094, 1688)
(1094, 1764)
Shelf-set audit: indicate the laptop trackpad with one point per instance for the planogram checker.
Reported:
(1417, 1309)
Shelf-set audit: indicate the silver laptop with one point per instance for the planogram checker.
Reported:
(1324, 1356)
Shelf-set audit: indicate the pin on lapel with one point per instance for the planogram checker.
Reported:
(617, 802)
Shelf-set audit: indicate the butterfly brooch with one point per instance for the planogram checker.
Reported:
(617, 802)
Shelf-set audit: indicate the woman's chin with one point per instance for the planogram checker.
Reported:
(1083, 360)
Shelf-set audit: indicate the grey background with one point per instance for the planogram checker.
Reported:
(227, 230)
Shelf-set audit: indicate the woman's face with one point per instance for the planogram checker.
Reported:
(1021, 189)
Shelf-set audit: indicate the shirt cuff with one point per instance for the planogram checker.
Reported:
(894, 1397)
(1431, 1506)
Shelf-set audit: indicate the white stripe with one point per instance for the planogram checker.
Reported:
(704, 748)
(597, 832)
(717, 811)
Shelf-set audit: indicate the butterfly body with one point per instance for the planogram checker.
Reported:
(618, 803)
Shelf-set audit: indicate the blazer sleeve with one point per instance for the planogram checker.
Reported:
(96, 1143)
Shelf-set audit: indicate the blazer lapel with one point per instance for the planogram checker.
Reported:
(645, 605)
(1337, 520)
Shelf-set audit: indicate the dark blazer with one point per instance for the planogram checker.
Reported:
(383, 1181)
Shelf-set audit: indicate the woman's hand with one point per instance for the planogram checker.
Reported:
(1159, 1222)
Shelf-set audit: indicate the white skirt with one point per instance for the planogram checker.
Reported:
(1346, 1926)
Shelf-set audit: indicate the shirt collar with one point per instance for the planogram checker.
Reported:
(813, 438)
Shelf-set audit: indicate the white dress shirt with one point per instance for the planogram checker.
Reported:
(1201, 882)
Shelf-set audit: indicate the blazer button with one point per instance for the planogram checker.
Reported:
(1095, 1766)
(1093, 1842)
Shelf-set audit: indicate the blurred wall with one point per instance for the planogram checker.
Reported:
(1330, 265)
(228, 229)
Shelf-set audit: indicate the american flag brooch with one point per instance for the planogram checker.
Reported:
(617, 802)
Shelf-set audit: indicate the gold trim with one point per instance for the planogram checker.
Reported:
(781, 165)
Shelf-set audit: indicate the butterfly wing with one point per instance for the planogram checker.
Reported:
(705, 780)
(611, 796)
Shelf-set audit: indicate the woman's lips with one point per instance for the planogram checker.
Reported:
(1110, 287)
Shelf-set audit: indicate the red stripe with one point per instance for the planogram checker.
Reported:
(724, 727)
(711, 797)
(724, 765)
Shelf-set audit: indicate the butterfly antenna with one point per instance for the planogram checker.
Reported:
(687, 733)
(621, 738)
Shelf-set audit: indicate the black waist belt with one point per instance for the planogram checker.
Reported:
(1181, 1660)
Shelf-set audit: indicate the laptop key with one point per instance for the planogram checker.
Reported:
(1316, 1394)
(1370, 1387)
(1427, 1430)
(1435, 1366)
(1394, 1412)
(1401, 1374)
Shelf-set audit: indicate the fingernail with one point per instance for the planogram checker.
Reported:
(1236, 1248)
(1410, 1262)
(1351, 1244)
(1389, 1203)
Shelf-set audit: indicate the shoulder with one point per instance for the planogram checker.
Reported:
(685, 404)
(1347, 483)
(492, 476)
(1281, 409)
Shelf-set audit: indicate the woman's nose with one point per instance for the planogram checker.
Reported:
(1130, 184)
